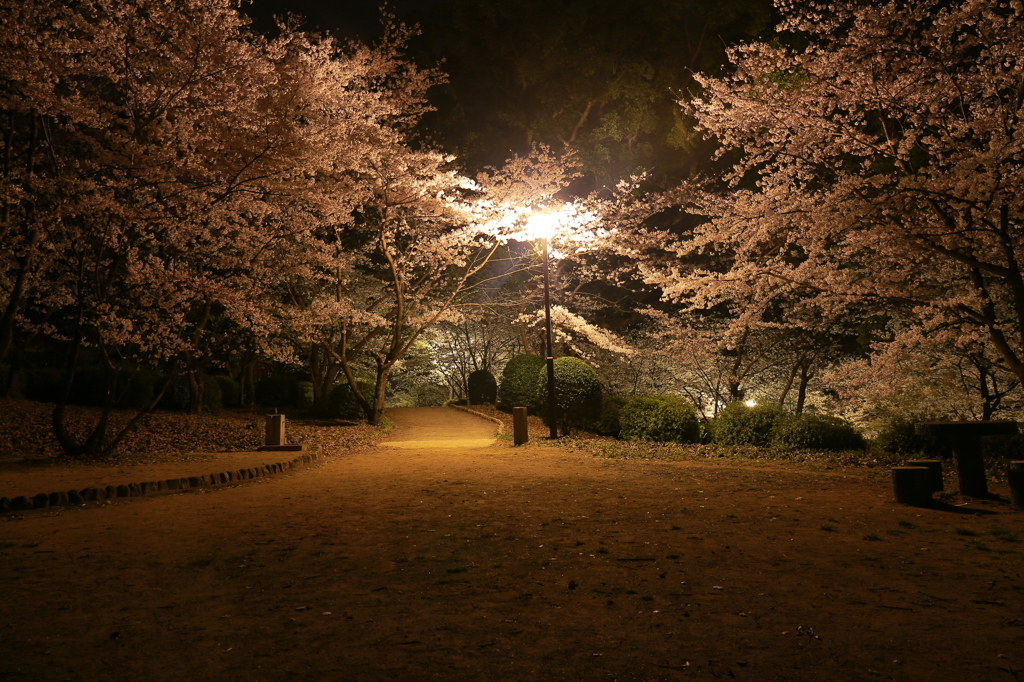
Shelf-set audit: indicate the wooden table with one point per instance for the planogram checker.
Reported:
(964, 438)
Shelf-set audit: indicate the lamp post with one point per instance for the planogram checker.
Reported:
(543, 225)
(552, 412)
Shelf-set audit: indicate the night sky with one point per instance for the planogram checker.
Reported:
(602, 77)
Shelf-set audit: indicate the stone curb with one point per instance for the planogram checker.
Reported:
(147, 488)
(501, 425)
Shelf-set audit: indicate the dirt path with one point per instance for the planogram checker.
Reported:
(427, 561)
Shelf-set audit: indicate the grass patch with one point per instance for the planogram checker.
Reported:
(967, 532)
(829, 528)
(903, 523)
(673, 556)
(457, 569)
(872, 537)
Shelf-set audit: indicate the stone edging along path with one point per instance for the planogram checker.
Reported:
(99, 494)
(501, 425)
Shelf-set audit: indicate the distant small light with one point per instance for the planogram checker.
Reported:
(750, 403)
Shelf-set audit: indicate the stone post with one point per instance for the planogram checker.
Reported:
(275, 429)
(521, 433)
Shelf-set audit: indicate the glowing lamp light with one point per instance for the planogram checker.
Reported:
(750, 403)
(543, 225)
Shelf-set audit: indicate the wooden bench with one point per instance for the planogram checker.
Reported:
(964, 439)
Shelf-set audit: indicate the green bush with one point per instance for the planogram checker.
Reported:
(577, 393)
(738, 424)
(482, 388)
(280, 391)
(519, 382)
(662, 418)
(230, 393)
(897, 437)
(306, 388)
(342, 403)
(608, 423)
(816, 432)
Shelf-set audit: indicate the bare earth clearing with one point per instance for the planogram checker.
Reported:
(442, 554)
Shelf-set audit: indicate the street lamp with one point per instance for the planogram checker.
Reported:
(543, 225)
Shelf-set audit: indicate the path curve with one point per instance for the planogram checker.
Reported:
(438, 427)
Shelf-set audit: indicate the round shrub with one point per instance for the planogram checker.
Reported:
(342, 403)
(482, 388)
(816, 432)
(280, 391)
(519, 382)
(738, 424)
(662, 418)
(577, 393)
(607, 423)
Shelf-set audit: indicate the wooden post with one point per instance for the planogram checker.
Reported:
(934, 467)
(275, 429)
(521, 432)
(912, 485)
(1015, 474)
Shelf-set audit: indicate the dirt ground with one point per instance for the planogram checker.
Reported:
(443, 554)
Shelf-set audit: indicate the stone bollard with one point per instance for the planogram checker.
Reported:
(275, 440)
(1015, 476)
(912, 485)
(520, 429)
(934, 467)
(275, 430)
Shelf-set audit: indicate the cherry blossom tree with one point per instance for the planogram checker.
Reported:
(190, 166)
(879, 168)
(420, 239)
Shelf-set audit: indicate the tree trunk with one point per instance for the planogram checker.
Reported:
(805, 378)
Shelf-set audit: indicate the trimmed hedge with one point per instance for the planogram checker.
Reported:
(608, 423)
(482, 388)
(661, 418)
(816, 432)
(577, 393)
(738, 424)
(519, 382)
